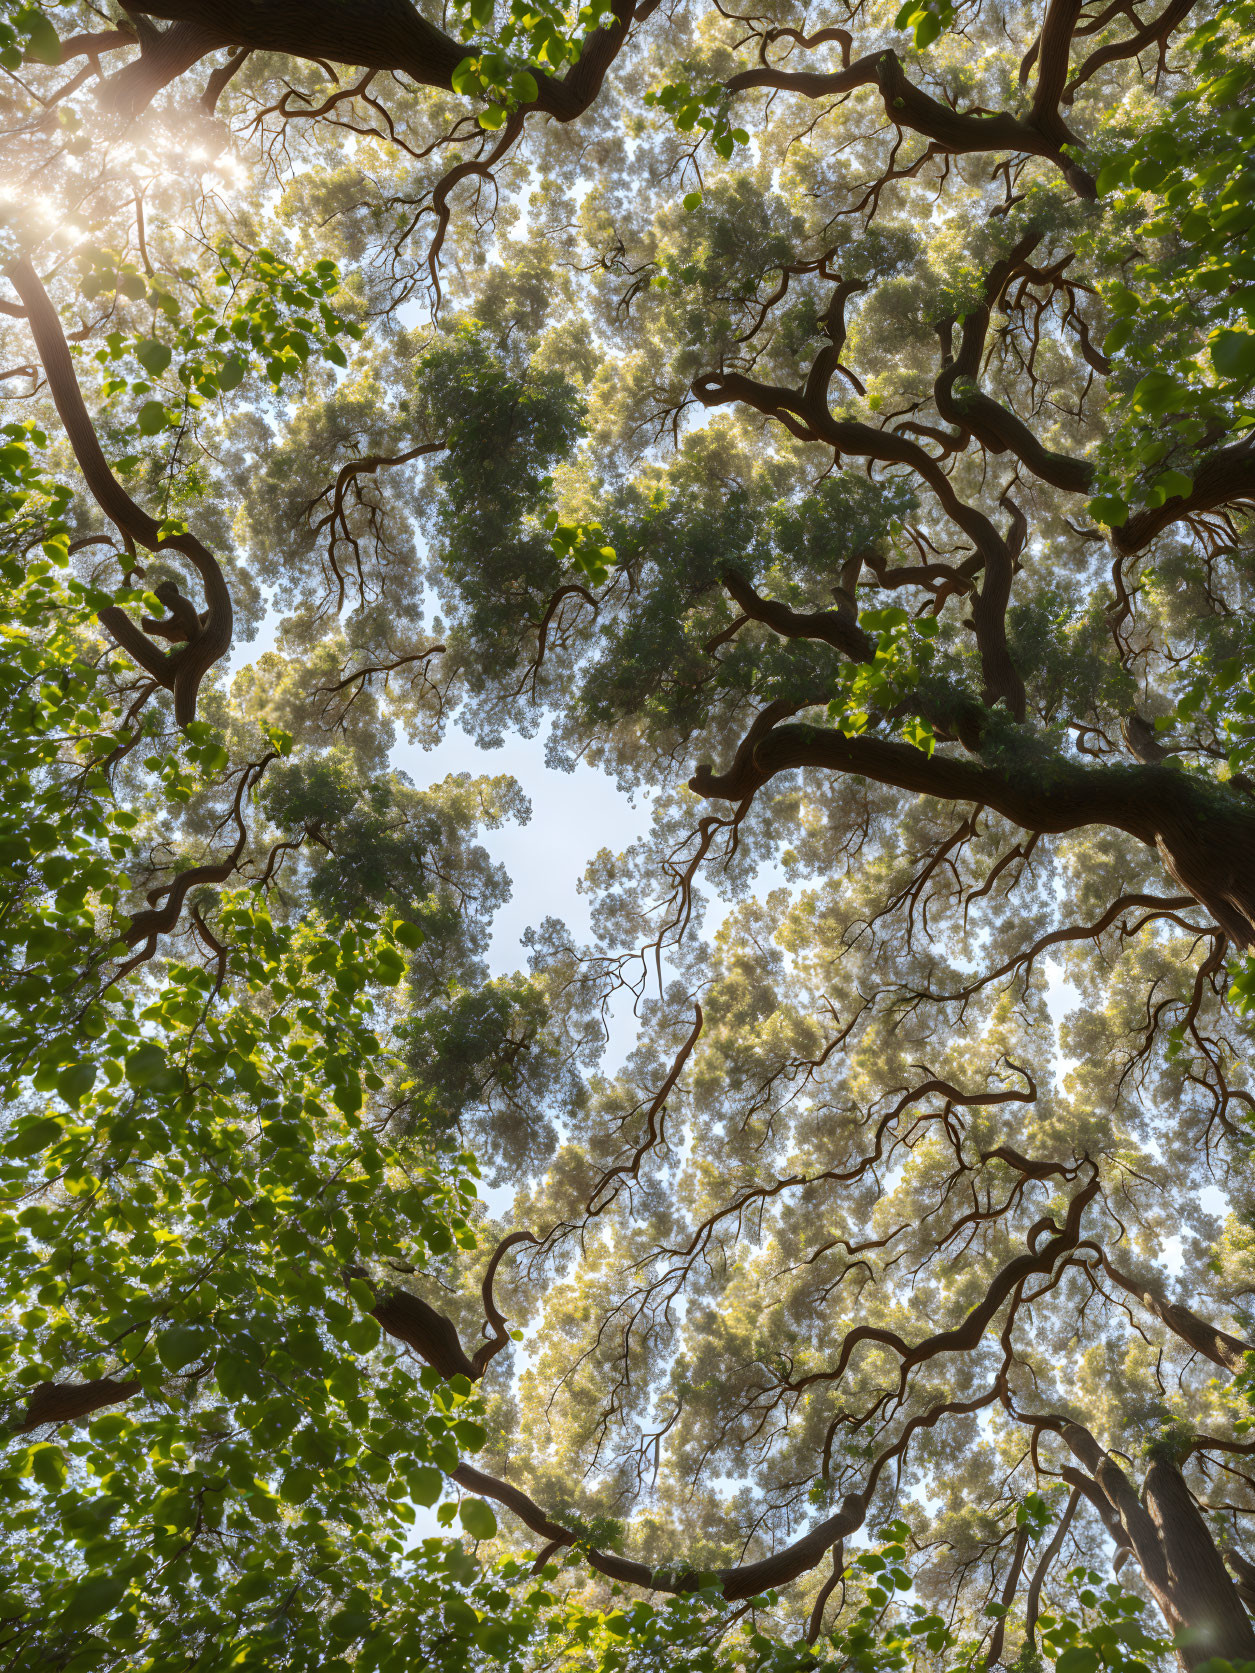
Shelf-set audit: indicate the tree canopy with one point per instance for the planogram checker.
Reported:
(836, 425)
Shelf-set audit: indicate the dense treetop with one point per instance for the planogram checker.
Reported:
(834, 424)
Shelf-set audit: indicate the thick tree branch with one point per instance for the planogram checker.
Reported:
(1155, 32)
(811, 419)
(164, 55)
(742, 1581)
(908, 106)
(1226, 477)
(1205, 833)
(838, 628)
(375, 35)
(962, 403)
(182, 670)
(1207, 1339)
(54, 1403)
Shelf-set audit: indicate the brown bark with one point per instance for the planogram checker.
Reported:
(165, 54)
(1226, 477)
(409, 1319)
(838, 628)
(998, 1636)
(68, 1402)
(1053, 54)
(1198, 1587)
(1167, 1534)
(957, 132)
(1032, 1599)
(1243, 1573)
(744, 1580)
(379, 35)
(806, 414)
(1154, 32)
(1204, 833)
(962, 403)
(1207, 1339)
(181, 670)
(964, 1337)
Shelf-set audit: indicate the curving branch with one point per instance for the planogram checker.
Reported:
(744, 1580)
(54, 1403)
(596, 1203)
(1217, 1345)
(434, 1336)
(808, 417)
(838, 628)
(1204, 833)
(492, 1314)
(181, 670)
(962, 403)
(377, 35)
(908, 106)
(993, 1655)
(147, 926)
(164, 55)
(964, 1337)
(1032, 1599)
(1156, 33)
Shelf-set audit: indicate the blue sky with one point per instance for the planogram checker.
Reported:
(574, 815)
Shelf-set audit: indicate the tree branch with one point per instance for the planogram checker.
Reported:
(180, 671)
(908, 106)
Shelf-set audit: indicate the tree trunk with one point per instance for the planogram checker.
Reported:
(1207, 843)
(1168, 1535)
(1197, 1591)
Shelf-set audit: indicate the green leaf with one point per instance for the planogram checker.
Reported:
(347, 1624)
(152, 418)
(297, 1485)
(473, 1436)
(426, 1484)
(44, 42)
(1160, 393)
(231, 373)
(1109, 509)
(31, 1139)
(1233, 354)
(47, 1463)
(1114, 174)
(95, 1598)
(1081, 1659)
(494, 1639)
(74, 1083)
(182, 1344)
(153, 356)
(1119, 335)
(477, 1518)
(692, 201)
(147, 1068)
(465, 78)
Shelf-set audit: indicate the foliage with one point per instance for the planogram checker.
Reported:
(1184, 314)
(734, 398)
